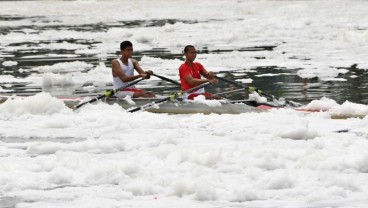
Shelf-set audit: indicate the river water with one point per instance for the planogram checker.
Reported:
(47, 50)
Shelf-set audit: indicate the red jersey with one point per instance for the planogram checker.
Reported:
(195, 70)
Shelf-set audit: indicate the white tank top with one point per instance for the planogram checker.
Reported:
(128, 70)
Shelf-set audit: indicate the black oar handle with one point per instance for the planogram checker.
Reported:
(251, 89)
(167, 79)
(230, 81)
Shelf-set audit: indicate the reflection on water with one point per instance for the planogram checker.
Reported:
(285, 84)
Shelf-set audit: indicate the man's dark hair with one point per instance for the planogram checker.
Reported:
(186, 48)
(125, 44)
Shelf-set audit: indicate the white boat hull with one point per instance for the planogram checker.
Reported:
(182, 107)
(186, 107)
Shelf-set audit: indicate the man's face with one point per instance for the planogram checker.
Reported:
(191, 54)
(127, 52)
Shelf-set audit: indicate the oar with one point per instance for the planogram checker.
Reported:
(172, 97)
(254, 89)
(107, 94)
(164, 89)
(167, 79)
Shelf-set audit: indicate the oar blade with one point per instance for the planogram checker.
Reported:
(149, 105)
(90, 101)
(280, 102)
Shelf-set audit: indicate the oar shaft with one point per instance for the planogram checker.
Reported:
(197, 87)
(129, 85)
(148, 105)
(108, 93)
(258, 91)
(165, 89)
(231, 82)
(167, 79)
(171, 97)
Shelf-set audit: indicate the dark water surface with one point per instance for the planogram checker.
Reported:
(287, 84)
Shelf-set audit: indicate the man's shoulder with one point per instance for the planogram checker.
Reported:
(198, 64)
(183, 65)
(115, 61)
(133, 60)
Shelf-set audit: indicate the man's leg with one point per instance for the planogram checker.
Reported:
(144, 95)
(208, 96)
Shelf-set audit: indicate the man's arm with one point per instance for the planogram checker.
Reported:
(195, 82)
(116, 72)
(138, 68)
(207, 74)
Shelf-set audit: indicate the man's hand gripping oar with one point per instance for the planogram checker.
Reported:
(260, 92)
(172, 97)
(107, 94)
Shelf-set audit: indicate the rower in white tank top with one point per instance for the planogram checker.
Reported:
(128, 70)
(123, 73)
(118, 83)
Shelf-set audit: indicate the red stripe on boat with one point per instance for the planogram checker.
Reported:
(265, 107)
(132, 90)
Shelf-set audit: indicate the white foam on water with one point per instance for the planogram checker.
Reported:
(41, 103)
(246, 81)
(10, 63)
(202, 99)
(65, 67)
(346, 108)
(199, 158)
(10, 78)
(50, 79)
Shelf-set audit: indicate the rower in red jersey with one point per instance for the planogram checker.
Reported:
(190, 75)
